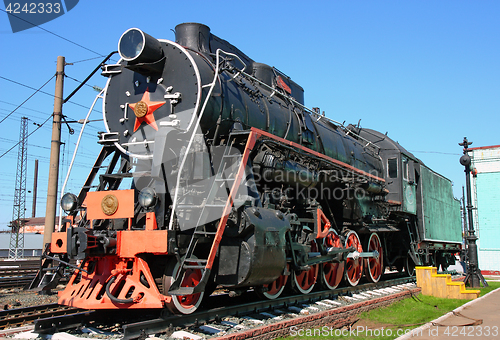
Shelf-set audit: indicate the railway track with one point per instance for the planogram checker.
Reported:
(17, 273)
(16, 281)
(22, 316)
(34, 261)
(225, 315)
(14, 274)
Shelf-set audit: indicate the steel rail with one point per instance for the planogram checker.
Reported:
(162, 324)
(19, 263)
(20, 316)
(17, 273)
(159, 324)
(15, 281)
(13, 271)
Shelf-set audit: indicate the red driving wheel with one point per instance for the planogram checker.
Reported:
(304, 281)
(332, 272)
(374, 265)
(354, 267)
(274, 289)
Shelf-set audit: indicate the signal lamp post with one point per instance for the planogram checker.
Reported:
(474, 276)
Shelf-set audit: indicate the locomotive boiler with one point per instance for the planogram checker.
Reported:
(213, 173)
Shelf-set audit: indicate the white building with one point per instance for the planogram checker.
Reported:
(485, 187)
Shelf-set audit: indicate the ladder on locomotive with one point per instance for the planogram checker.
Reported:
(413, 250)
(110, 179)
(229, 176)
(107, 181)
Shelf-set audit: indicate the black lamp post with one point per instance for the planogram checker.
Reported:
(474, 276)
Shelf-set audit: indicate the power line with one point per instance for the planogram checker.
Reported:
(31, 145)
(86, 134)
(438, 152)
(25, 108)
(6, 152)
(26, 99)
(80, 61)
(21, 84)
(78, 81)
(44, 113)
(32, 118)
(57, 35)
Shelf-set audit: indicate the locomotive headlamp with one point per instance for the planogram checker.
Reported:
(147, 197)
(69, 202)
(138, 47)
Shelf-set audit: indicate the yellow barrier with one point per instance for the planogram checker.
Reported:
(441, 285)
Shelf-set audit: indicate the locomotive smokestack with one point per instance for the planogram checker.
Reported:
(136, 47)
(194, 36)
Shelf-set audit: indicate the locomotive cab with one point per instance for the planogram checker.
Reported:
(423, 202)
(402, 179)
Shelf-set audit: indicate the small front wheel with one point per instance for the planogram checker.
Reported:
(182, 304)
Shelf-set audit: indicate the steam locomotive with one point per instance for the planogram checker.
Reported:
(213, 173)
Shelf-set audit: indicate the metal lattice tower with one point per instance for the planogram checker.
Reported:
(16, 248)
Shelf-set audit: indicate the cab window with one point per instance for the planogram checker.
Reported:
(405, 168)
(392, 167)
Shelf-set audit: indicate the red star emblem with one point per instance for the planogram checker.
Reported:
(144, 109)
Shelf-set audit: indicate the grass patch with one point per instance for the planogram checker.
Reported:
(485, 290)
(402, 315)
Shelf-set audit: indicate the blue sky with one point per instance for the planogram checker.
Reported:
(426, 72)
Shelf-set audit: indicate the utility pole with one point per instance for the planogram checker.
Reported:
(35, 188)
(474, 276)
(50, 211)
(16, 247)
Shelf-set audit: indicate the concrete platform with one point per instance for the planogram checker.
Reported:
(477, 319)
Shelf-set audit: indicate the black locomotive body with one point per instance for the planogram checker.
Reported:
(218, 175)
